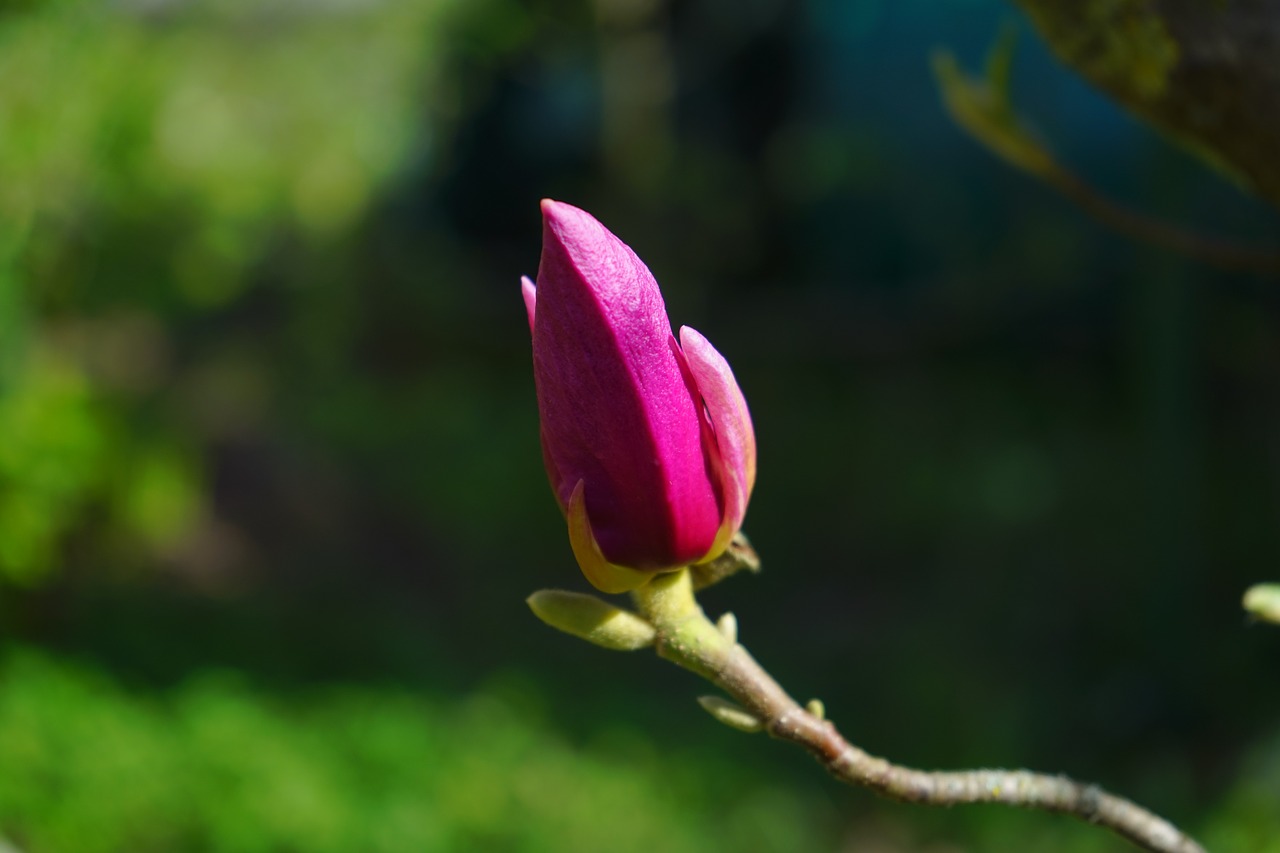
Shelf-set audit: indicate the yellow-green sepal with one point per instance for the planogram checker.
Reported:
(602, 574)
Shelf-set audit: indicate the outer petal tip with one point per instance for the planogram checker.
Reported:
(602, 574)
(558, 213)
(583, 241)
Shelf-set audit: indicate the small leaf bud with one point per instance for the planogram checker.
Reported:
(1263, 602)
(734, 716)
(727, 624)
(591, 619)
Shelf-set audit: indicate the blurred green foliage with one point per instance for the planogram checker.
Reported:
(270, 492)
(1248, 818)
(53, 455)
(215, 764)
(150, 159)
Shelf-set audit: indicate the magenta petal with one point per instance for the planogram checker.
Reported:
(530, 294)
(617, 413)
(734, 435)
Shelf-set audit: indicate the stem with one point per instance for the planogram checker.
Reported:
(686, 637)
(1209, 250)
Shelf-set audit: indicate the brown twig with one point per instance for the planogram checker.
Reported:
(1214, 251)
(984, 109)
(685, 636)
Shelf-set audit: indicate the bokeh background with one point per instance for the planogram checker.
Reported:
(270, 489)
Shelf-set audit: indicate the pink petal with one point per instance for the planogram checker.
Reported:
(735, 438)
(530, 294)
(616, 408)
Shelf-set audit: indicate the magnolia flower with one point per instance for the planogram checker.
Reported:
(647, 442)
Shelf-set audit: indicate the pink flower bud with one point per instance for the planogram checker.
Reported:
(647, 442)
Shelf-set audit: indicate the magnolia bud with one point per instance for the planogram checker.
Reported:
(647, 440)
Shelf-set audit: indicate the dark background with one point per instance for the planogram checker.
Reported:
(271, 497)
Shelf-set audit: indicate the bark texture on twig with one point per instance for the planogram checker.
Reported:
(687, 637)
(1203, 71)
